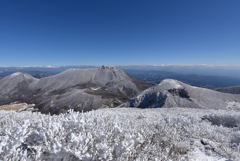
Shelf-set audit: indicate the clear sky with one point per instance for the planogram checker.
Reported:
(119, 32)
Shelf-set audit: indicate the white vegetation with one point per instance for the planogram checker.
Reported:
(121, 134)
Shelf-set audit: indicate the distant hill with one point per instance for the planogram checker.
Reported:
(78, 89)
(173, 93)
(210, 82)
(232, 90)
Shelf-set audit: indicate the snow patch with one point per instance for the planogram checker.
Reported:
(94, 89)
(171, 83)
(199, 155)
(16, 74)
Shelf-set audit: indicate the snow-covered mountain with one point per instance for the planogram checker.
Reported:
(173, 93)
(79, 89)
(15, 87)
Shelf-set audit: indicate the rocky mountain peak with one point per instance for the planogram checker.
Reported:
(108, 67)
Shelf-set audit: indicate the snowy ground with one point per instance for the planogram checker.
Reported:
(121, 134)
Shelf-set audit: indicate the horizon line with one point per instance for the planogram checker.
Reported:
(135, 65)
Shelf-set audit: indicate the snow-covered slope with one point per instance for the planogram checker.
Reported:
(13, 80)
(81, 89)
(173, 93)
(15, 87)
(105, 76)
(65, 79)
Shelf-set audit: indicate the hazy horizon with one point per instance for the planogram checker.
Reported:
(140, 65)
(207, 70)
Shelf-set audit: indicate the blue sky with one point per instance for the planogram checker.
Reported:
(119, 32)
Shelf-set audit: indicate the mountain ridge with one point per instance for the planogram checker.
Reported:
(232, 90)
(80, 89)
(173, 93)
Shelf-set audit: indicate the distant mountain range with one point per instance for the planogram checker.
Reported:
(173, 93)
(210, 82)
(48, 70)
(108, 86)
(211, 77)
(78, 89)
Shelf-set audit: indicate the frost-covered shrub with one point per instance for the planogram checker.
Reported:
(227, 119)
(115, 134)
